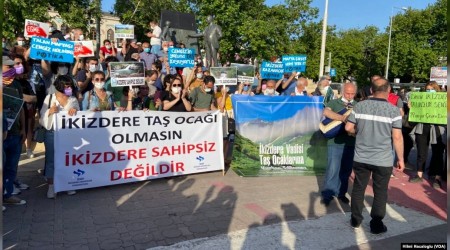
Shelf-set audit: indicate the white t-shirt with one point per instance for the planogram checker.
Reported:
(156, 40)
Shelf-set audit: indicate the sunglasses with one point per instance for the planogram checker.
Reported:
(176, 85)
(17, 63)
(99, 79)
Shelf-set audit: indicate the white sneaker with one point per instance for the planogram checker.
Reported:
(22, 186)
(16, 191)
(71, 192)
(30, 153)
(51, 191)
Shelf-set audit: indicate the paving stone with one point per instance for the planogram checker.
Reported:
(136, 226)
(107, 231)
(110, 244)
(198, 228)
(163, 221)
(171, 232)
(142, 238)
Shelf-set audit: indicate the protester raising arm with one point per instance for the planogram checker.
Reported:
(288, 81)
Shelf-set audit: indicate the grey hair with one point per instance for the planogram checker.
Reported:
(349, 83)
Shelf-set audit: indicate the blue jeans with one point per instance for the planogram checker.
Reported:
(155, 49)
(339, 168)
(12, 149)
(49, 170)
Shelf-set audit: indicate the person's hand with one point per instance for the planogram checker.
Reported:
(344, 118)
(157, 102)
(88, 74)
(112, 44)
(294, 73)
(258, 75)
(72, 111)
(183, 94)
(400, 165)
(178, 96)
(224, 90)
(53, 109)
(121, 109)
(77, 58)
(409, 104)
(292, 94)
(54, 40)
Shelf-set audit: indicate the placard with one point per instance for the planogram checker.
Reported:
(428, 107)
(124, 31)
(270, 70)
(43, 48)
(127, 74)
(224, 75)
(179, 57)
(245, 72)
(11, 108)
(35, 28)
(83, 49)
(293, 63)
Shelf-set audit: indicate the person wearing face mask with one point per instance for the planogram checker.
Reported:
(61, 100)
(20, 46)
(129, 49)
(223, 100)
(340, 148)
(12, 144)
(324, 89)
(164, 52)
(425, 134)
(270, 88)
(244, 88)
(195, 78)
(84, 76)
(29, 106)
(147, 56)
(107, 50)
(155, 37)
(98, 99)
(176, 98)
(202, 97)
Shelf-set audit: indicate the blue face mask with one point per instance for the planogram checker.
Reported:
(147, 50)
(246, 87)
(431, 90)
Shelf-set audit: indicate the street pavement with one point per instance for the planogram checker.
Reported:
(215, 211)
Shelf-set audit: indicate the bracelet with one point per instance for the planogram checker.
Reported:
(130, 100)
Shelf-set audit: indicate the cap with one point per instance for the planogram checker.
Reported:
(7, 61)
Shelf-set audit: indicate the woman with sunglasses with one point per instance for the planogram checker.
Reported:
(245, 89)
(176, 98)
(98, 99)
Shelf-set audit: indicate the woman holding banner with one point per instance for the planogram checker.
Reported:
(426, 134)
(176, 98)
(98, 99)
(61, 100)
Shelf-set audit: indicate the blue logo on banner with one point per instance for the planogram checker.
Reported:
(42, 48)
(200, 158)
(179, 57)
(332, 72)
(270, 70)
(294, 63)
(79, 172)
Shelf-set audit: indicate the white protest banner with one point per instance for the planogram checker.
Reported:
(124, 31)
(224, 75)
(127, 74)
(245, 72)
(35, 28)
(94, 149)
(83, 49)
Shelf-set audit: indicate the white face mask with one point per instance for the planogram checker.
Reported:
(151, 82)
(62, 70)
(176, 90)
(99, 85)
(199, 75)
(165, 49)
(92, 68)
(20, 43)
(108, 46)
(207, 89)
(269, 91)
(81, 38)
(67, 36)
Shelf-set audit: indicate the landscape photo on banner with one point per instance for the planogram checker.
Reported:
(109, 147)
(278, 135)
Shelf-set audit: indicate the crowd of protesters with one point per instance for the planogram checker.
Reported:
(50, 87)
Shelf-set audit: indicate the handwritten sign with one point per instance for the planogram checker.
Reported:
(179, 57)
(270, 70)
(42, 48)
(294, 63)
(428, 107)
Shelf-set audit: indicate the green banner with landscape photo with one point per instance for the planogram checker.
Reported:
(427, 107)
(278, 136)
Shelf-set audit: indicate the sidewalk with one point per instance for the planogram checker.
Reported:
(211, 211)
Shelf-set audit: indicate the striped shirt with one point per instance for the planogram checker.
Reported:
(374, 119)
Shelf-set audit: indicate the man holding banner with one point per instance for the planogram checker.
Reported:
(340, 148)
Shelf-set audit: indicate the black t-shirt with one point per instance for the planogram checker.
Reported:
(179, 106)
(81, 77)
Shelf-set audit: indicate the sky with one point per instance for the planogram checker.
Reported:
(347, 14)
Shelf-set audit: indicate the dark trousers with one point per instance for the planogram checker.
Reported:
(381, 177)
(422, 144)
(437, 156)
(408, 143)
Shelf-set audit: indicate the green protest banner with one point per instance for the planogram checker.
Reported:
(428, 107)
